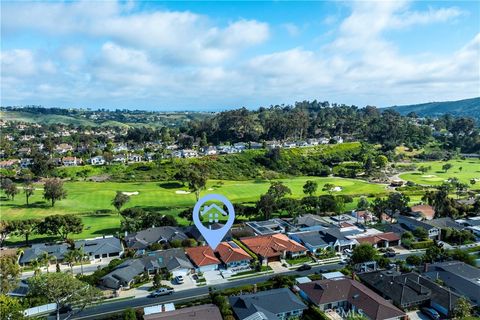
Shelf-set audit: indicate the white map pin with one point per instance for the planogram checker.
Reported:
(213, 237)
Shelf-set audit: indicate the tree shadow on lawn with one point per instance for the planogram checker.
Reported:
(107, 231)
(34, 205)
(171, 185)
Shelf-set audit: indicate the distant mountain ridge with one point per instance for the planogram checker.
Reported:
(466, 107)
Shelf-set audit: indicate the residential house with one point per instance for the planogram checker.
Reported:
(472, 224)
(337, 139)
(201, 312)
(462, 278)
(240, 146)
(134, 157)
(311, 220)
(119, 158)
(232, 255)
(321, 239)
(25, 151)
(63, 148)
(120, 148)
(270, 226)
(141, 240)
(363, 216)
(189, 153)
(57, 251)
(70, 161)
(444, 223)
(172, 260)
(382, 240)
(203, 258)
(274, 247)
(255, 145)
(411, 224)
(97, 161)
(348, 296)
(276, 304)
(192, 232)
(26, 163)
(410, 290)
(209, 151)
(98, 248)
(9, 164)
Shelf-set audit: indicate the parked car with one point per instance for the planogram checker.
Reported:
(161, 292)
(179, 279)
(431, 313)
(348, 251)
(304, 267)
(389, 254)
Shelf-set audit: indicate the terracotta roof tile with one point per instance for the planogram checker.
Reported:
(272, 245)
(202, 256)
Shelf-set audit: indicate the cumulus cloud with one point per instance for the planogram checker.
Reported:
(180, 58)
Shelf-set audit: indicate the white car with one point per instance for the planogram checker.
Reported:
(179, 279)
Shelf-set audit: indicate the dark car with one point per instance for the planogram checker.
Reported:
(431, 313)
(304, 267)
(389, 254)
(161, 292)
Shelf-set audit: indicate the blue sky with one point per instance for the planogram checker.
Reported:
(220, 55)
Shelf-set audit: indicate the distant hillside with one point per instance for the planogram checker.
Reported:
(467, 107)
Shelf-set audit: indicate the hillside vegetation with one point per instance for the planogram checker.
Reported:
(466, 107)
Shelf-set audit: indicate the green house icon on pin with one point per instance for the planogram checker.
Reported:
(213, 212)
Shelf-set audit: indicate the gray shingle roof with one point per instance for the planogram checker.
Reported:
(142, 239)
(100, 246)
(56, 250)
(269, 303)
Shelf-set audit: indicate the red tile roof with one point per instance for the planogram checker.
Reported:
(272, 245)
(344, 289)
(388, 236)
(202, 256)
(229, 253)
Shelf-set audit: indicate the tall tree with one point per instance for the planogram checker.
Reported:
(28, 190)
(278, 190)
(363, 253)
(61, 225)
(463, 308)
(197, 177)
(63, 289)
(120, 200)
(9, 188)
(54, 190)
(6, 228)
(10, 272)
(70, 258)
(310, 187)
(10, 308)
(26, 228)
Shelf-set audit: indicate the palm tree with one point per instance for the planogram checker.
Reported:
(35, 264)
(80, 257)
(45, 260)
(70, 257)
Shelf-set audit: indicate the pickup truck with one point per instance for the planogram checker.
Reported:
(161, 292)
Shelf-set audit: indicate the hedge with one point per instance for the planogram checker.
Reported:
(422, 244)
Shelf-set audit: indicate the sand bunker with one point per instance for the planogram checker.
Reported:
(130, 193)
(182, 192)
(336, 189)
(210, 189)
(429, 176)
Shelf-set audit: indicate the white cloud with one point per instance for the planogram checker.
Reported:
(171, 58)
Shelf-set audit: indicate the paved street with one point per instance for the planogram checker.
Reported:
(185, 295)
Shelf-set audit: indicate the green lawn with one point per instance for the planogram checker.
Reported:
(435, 176)
(92, 200)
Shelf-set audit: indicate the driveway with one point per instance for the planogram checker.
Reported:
(417, 315)
(213, 277)
(277, 267)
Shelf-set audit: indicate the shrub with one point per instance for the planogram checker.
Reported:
(422, 244)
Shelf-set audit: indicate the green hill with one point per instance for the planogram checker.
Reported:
(466, 107)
